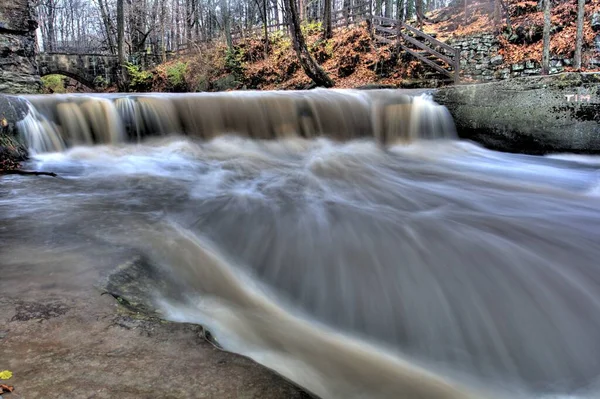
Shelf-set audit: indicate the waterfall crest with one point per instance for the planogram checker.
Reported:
(386, 115)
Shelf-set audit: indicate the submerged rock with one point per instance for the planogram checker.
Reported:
(135, 284)
(537, 115)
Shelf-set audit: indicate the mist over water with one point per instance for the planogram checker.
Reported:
(348, 240)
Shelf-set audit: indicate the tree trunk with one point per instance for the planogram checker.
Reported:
(120, 31)
(265, 17)
(579, 38)
(120, 40)
(189, 20)
(388, 8)
(50, 22)
(308, 63)
(276, 11)
(226, 23)
(419, 12)
(301, 9)
(466, 12)
(546, 49)
(163, 47)
(327, 31)
(497, 13)
(400, 13)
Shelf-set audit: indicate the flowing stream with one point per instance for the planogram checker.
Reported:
(345, 239)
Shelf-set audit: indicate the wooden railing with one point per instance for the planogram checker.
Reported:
(395, 32)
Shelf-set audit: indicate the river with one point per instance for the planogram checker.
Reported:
(347, 240)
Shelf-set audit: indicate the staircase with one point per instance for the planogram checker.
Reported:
(437, 55)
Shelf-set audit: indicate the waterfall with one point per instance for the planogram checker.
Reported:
(389, 116)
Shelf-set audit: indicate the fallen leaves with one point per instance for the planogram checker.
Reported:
(6, 388)
(6, 375)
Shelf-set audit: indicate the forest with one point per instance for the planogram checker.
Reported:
(200, 45)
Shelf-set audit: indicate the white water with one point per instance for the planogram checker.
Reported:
(430, 269)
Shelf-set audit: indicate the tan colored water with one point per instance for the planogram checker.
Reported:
(387, 260)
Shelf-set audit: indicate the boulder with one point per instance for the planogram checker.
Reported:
(537, 114)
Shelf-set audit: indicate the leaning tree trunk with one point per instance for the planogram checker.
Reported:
(308, 63)
(327, 31)
(546, 49)
(579, 38)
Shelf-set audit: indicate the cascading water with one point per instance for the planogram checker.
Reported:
(320, 234)
(341, 115)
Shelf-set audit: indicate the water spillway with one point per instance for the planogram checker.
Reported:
(347, 240)
(58, 122)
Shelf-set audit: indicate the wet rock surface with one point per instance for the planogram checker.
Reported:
(62, 338)
(537, 115)
(12, 151)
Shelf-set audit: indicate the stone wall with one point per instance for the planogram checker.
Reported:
(480, 60)
(18, 69)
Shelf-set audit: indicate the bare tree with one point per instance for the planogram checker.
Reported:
(226, 23)
(579, 38)
(107, 23)
(308, 63)
(546, 48)
(327, 30)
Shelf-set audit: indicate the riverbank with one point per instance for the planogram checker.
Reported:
(12, 151)
(61, 338)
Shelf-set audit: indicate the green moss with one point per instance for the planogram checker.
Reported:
(139, 79)
(234, 61)
(176, 76)
(54, 84)
(100, 82)
(311, 28)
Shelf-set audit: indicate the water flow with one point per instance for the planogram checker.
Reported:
(422, 269)
(389, 116)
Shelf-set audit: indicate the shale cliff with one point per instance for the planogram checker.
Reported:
(18, 69)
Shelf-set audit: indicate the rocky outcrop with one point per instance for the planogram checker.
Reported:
(18, 69)
(12, 151)
(537, 115)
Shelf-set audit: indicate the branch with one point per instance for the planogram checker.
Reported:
(27, 173)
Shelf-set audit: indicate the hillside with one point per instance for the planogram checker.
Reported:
(353, 59)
